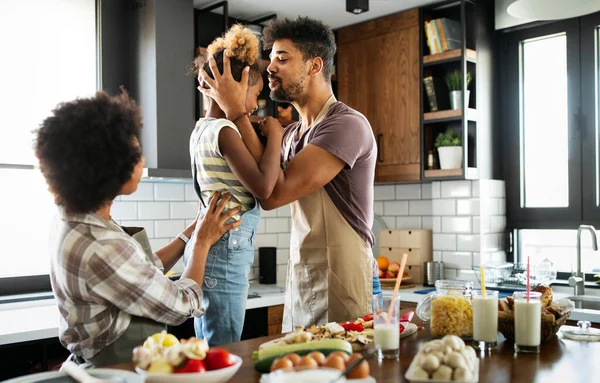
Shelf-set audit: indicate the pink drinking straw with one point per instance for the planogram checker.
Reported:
(528, 288)
(396, 288)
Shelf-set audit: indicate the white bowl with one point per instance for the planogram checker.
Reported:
(215, 376)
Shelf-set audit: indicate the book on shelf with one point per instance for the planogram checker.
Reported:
(442, 34)
(430, 90)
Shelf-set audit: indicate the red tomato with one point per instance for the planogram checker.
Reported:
(353, 326)
(192, 365)
(401, 328)
(368, 317)
(217, 358)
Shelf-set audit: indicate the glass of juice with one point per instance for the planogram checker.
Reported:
(485, 319)
(387, 333)
(528, 322)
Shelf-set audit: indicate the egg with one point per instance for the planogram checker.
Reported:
(295, 358)
(308, 363)
(342, 354)
(336, 362)
(280, 363)
(318, 357)
(360, 372)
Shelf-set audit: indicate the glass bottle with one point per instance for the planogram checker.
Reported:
(430, 160)
(262, 108)
(449, 309)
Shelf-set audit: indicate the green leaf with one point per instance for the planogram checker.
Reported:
(449, 138)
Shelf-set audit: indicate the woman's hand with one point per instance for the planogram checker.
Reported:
(229, 94)
(270, 127)
(212, 226)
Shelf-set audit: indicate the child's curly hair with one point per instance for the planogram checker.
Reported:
(241, 46)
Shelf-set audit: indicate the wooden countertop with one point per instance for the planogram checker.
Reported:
(560, 360)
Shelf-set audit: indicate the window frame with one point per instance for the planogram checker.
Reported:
(539, 218)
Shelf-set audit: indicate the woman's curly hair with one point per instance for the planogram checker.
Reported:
(311, 37)
(241, 46)
(87, 150)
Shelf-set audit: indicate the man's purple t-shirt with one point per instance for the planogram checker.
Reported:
(346, 134)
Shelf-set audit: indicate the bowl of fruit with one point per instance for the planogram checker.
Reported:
(388, 271)
(165, 359)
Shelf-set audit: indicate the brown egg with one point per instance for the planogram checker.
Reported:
(341, 354)
(280, 363)
(308, 363)
(335, 362)
(318, 357)
(360, 372)
(295, 358)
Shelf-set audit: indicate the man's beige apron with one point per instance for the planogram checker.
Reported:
(330, 270)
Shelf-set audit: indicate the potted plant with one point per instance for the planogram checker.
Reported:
(449, 147)
(454, 84)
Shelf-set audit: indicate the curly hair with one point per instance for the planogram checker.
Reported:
(241, 46)
(87, 150)
(311, 37)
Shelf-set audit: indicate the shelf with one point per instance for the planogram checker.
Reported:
(472, 173)
(448, 115)
(449, 56)
(282, 121)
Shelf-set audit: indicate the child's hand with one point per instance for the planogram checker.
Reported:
(270, 127)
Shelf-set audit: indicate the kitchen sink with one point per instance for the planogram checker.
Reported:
(589, 302)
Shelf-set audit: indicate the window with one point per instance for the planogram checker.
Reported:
(549, 80)
(49, 56)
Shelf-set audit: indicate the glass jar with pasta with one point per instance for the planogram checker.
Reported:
(449, 309)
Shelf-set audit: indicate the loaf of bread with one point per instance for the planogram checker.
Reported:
(546, 294)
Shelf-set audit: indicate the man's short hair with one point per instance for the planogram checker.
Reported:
(311, 37)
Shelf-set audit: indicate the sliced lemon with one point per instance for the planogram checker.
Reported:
(161, 339)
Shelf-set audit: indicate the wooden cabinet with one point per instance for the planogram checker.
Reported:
(378, 75)
(416, 243)
(275, 319)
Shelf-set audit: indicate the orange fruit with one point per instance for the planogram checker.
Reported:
(383, 263)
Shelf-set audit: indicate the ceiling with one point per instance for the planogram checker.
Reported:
(330, 12)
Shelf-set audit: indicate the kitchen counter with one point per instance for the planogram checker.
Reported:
(559, 360)
(39, 319)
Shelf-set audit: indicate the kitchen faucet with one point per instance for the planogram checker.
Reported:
(578, 280)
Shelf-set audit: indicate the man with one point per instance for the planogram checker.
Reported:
(329, 164)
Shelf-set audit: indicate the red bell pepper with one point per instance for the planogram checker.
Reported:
(368, 317)
(350, 326)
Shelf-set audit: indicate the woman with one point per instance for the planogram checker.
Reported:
(221, 161)
(110, 289)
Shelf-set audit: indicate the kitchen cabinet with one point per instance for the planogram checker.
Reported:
(378, 75)
(417, 244)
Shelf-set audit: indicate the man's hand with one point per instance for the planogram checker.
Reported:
(212, 226)
(270, 127)
(229, 94)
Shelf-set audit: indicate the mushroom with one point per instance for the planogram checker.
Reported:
(430, 363)
(455, 360)
(453, 341)
(463, 374)
(419, 373)
(443, 373)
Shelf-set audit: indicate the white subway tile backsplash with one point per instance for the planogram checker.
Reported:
(277, 225)
(262, 226)
(450, 273)
(384, 192)
(408, 191)
(148, 225)
(481, 259)
(378, 208)
(496, 189)
(465, 242)
(265, 240)
(489, 206)
(457, 259)
(157, 243)
(153, 210)
(284, 211)
(475, 186)
(283, 241)
(468, 206)
(444, 242)
(188, 222)
(426, 191)
(189, 192)
(502, 206)
(497, 223)
(454, 189)
(437, 256)
(169, 192)
(426, 223)
(408, 223)
(456, 225)
(283, 255)
(437, 224)
(420, 207)
(169, 228)
(395, 208)
(492, 241)
(476, 229)
(436, 189)
(124, 210)
(268, 213)
(390, 222)
(184, 210)
(444, 207)
(281, 273)
(468, 275)
(144, 192)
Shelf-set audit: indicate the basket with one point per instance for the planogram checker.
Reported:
(506, 325)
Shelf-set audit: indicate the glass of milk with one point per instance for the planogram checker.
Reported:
(387, 335)
(528, 322)
(485, 319)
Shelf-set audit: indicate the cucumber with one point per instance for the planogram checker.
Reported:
(265, 357)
